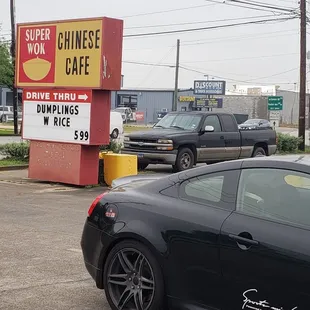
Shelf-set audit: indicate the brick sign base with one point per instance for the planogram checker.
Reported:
(64, 163)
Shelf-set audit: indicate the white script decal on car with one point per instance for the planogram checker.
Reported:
(258, 305)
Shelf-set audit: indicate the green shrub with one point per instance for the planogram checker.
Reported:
(15, 150)
(287, 143)
(113, 146)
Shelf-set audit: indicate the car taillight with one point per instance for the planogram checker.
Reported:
(93, 205)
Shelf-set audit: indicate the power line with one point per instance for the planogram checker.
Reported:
(242, 6)
(224, 39)
(240, 58)
(213, 60)
(168, 11)
(234, 80)
(188, 68)
(157, 65)
(202, 22)
(207, 28)
(264, 5)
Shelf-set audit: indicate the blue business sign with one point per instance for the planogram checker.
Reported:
(204, 87)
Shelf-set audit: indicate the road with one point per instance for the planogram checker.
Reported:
(41, 265)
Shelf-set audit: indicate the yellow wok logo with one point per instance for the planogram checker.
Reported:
(37, 69)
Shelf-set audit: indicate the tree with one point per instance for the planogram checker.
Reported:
(6, 66)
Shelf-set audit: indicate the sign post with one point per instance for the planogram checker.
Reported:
(67, 70)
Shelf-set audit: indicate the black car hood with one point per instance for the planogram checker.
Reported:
(158, 133)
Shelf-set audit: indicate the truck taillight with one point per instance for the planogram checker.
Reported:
(93, 205)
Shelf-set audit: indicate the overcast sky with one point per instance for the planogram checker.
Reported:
(263, 53)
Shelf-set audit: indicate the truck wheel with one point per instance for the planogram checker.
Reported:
(259, 151)
(142, 166)
(185, 160)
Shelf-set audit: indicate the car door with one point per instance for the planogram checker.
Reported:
(211, 145)
(232, 137)
(193, 269)
(265, 243)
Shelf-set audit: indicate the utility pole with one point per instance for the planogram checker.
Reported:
(176, 86)
(303, 74)
(13, 48)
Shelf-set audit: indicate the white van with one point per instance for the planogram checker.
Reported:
(116, 124)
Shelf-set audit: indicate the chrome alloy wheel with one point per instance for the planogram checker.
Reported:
(130, 280)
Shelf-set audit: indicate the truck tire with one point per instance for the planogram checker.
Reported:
(142, 166)
(184, 161)
(259, 151)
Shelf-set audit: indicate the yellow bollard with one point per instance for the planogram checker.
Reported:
(118, 166)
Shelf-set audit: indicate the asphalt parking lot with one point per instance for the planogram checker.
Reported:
(41, 265)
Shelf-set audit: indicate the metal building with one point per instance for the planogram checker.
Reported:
(149, 102)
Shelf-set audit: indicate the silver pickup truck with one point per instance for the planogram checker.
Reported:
(7, 114)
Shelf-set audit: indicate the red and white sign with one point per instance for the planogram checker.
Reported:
(57, 115)
(139, 116)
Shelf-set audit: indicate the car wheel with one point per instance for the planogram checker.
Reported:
(114, 134)
(185, 160)
(259, 151)
(132, 278)
(4, 118)
(142, 166)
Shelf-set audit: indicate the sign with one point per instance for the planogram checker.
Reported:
(187, 99)
(274, 115)
(210, 103)
(57, 115)
(204, 87)
(139, 116)
(275, 103)
(70, 54)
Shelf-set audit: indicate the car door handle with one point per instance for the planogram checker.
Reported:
(221, 137)
(242, 240)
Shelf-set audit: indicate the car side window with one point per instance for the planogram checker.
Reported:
(213, 120)
(276, 194)
(213, 189)
(229, 123)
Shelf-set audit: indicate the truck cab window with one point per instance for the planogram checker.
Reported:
(213, 120)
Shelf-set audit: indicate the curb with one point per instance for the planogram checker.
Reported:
(11, 168)
(9, 135)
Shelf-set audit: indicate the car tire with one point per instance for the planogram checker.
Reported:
(142, 166)
(130, 266)
(259, 151)
(114, 134)
(4, 119)
(184, 161)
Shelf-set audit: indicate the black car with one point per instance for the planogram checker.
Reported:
(251, 124)
(233, 235)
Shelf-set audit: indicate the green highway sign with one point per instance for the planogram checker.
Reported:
(275, 103)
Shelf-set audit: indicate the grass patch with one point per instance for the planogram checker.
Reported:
(6, 132)
(129, 129)
(307, 151)
(7, 162)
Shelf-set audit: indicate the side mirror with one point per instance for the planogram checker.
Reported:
(209, 129)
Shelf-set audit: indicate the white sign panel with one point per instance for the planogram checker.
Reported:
(59, 116)
(274, 115)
